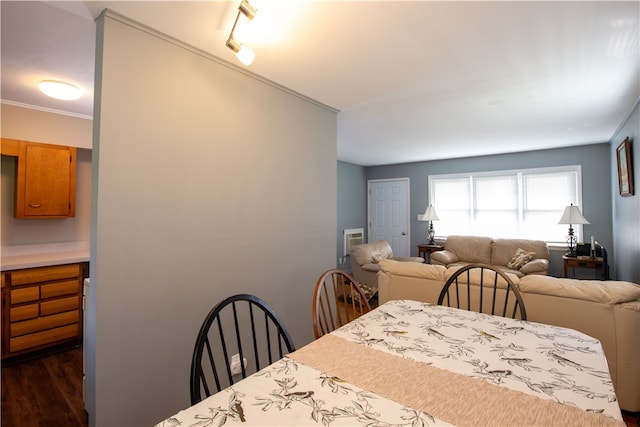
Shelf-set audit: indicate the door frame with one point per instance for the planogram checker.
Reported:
(407, 181)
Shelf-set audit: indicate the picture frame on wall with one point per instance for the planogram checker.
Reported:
(625, 170)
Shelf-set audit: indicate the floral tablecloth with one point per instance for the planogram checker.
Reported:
(408, 363)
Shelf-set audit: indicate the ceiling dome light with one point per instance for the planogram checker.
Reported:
(60, 90)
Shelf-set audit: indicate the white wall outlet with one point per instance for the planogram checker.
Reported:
(235, 364)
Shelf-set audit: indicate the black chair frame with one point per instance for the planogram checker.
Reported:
(204, 348)
(511, 288)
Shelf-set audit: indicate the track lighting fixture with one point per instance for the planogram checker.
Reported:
(244, 54)
(248, 10)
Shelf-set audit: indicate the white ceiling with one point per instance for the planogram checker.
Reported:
(413, 80)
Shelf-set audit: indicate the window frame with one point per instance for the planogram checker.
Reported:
(577, 169)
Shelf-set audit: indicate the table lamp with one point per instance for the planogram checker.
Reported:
(572, 215)
(430, 215)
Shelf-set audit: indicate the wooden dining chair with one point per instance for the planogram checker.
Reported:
(242, 325)
(485, 289)
(337, 300)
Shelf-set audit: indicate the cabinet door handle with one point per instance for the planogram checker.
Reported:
(34, 205)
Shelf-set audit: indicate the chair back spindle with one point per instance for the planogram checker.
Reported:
(337, 300)
(234, 326)
(477, 286)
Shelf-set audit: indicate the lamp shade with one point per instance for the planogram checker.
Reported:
(572, 215)
(430, 214)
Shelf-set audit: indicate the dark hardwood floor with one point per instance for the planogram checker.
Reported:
(44, 392)
(47, 392)
(631, 419)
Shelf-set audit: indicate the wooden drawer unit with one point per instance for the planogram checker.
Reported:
(44, 338)
(59, 305)
(68, 287)
(45, 274)
(42, 307)
(24, 312)
(42, 323)
(28, 294)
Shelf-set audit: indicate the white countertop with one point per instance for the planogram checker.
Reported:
(41, 255)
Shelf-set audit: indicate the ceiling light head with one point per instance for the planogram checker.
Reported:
(248, 10)
(60, 90)
(243, 53)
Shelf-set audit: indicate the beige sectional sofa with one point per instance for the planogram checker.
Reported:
(462, 250)
(606, 310)
(365, 258)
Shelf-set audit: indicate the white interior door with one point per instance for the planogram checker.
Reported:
(389, 213)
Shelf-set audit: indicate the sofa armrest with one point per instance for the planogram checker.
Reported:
(371, 267)
(408, 259)
(444, 257)
(536, 266)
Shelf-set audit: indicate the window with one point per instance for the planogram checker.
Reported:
(523, 204)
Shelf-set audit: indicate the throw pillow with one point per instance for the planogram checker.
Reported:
(376, 258)
(520, 258)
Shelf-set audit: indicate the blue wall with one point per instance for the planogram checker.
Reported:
(352, 204)
(596, 188)
(615, 220)
(626, 210)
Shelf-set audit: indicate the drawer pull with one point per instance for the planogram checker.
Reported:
(35, 205)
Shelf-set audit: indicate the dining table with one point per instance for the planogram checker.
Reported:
(410, 363)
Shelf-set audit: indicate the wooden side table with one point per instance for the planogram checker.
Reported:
(582, 262)
(424, 249)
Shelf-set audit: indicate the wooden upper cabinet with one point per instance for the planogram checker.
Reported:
(45, 179)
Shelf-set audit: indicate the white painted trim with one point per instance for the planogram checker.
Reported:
(46, 110)
(243, 70)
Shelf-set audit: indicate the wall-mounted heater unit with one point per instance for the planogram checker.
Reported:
(352, 237)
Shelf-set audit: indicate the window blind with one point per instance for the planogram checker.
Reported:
(525, 203)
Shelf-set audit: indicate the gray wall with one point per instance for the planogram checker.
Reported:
(626, 210)
(596, 186)
(207, 182)
(352, 205)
